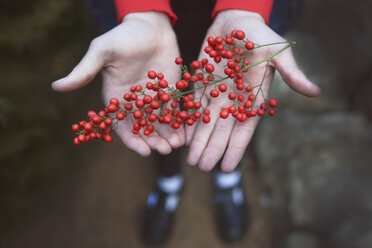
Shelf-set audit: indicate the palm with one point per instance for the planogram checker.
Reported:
(209, 142)
(125, 55)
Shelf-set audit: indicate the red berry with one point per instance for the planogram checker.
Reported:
(168, 118)
(206, 119)
(252, 113)
(248, 88)
(150, 127)
(140, 103)
(176, 125)
(209, 68)
(102, 126)
(128, 106)
(151, 74)
(108, 121)
(241, 109)
(133, 97)
(249, 45)
(271, 112)
(112, 108)
(260, 112)
(143, 122)
(224, 114)
(163, 83)
(96, 119)
(88, 127)
(114, 101)
(120, 116)
(210, 40)
(229, 40)
(76, 141)
(240, 86)
(127, 97)
(248, 104)
(165, 97)
(76, 127)
(208, 49)
(273, 103)
(137, 114)
(160, 76)
(186, 76)
(229, 54)
(181, 84)
(232, 96)
(195, 65)
(155, 105)
(213, 54)
(214, 93)
(222, 87)
(147, 99)
(108, 138)
(218, 40)
(81, 138)
(251, 97)
(264, 106)
(232, 109)
(227, 71)
(183, 115)
(239, 35)
(91, 113)
(152, 117)
(179, 60)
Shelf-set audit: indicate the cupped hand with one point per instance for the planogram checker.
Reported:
(142, 42)
(228, 138)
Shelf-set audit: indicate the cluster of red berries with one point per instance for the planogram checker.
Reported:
(162, 105)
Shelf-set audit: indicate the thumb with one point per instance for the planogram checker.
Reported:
(84, 72)
(293, 76)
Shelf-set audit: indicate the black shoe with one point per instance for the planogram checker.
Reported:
(158, 220)
(231, 213)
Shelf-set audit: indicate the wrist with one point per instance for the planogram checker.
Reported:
(233, 14)
(153, 17)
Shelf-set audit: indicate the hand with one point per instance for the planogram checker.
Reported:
(142, 42)
(228, 137)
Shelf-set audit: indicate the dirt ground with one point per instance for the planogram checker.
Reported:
(102, 207)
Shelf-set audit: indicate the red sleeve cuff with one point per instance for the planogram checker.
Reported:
(124, 7)
(262, 7)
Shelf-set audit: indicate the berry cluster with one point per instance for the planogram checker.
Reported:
(159, 102)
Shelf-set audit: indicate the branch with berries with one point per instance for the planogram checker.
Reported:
(159, 102)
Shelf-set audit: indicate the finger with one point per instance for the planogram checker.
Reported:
(156, 142)
(293, 76)
(217, 143)
(239, 139)
(201, 136)
(84, 72)
(190, 130)
(133, 142)
(175, 137)
(243, 131)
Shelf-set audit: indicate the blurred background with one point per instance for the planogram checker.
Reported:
(307, 173)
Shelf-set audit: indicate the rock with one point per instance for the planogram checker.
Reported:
(302, 239)
(314, 61)
(319, 168)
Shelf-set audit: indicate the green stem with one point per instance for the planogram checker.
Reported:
(275, 43)
(260, 89)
